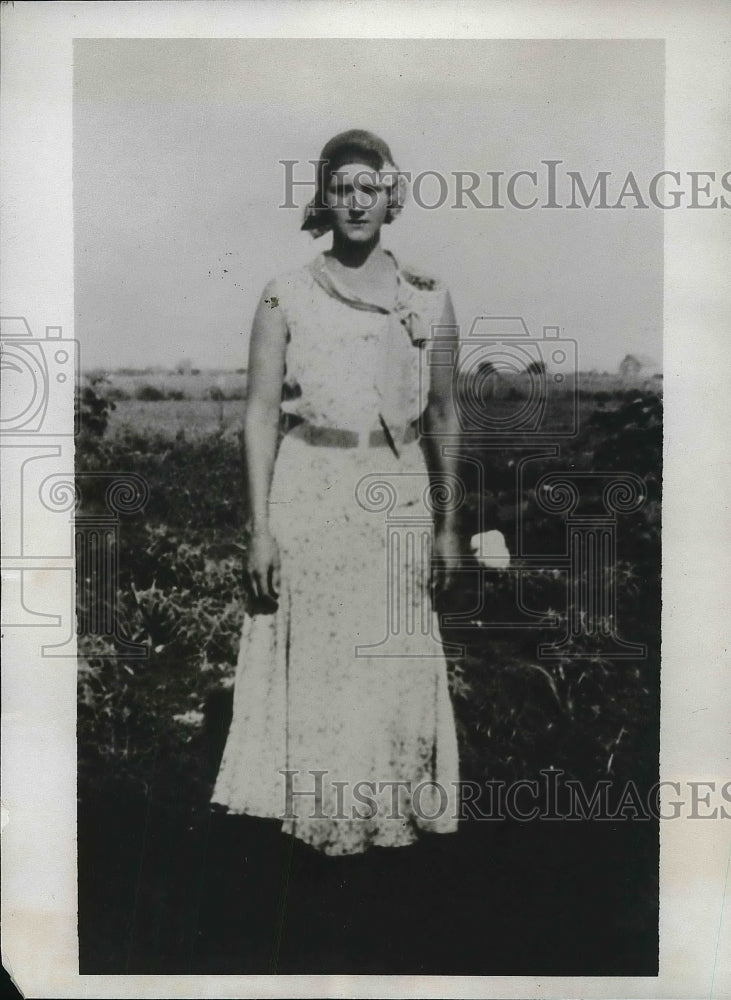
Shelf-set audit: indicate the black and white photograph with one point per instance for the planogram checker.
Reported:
(365, 505)
(382, 653)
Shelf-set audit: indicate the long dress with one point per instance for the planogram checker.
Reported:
(342, 722)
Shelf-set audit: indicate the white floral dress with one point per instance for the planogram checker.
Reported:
(342, 722)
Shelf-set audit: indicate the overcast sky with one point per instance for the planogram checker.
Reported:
(177, 181)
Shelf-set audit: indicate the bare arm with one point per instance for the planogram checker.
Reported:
(442, 427)
(261, 428)
(441, 423)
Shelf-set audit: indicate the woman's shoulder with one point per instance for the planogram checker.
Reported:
(288, 288)
(421, 279)
(290, 279)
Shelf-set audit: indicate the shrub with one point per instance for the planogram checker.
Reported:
(117, 394)
(149, 393)
(94, 403)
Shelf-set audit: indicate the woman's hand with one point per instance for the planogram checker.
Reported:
(263, 569)
(446, 558)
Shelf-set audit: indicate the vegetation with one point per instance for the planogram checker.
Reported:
(178, 595)
(151, 727)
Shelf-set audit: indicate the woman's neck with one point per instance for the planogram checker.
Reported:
(369, 273)
(351, 254)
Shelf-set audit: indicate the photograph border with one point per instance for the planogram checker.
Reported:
(40, 948)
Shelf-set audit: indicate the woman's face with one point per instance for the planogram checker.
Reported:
(357, 201)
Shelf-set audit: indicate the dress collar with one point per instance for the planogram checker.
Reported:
(406, 309)
(324, 277)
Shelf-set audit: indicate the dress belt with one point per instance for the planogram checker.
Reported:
(337, 437)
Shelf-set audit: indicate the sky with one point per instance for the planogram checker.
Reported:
(177, 183)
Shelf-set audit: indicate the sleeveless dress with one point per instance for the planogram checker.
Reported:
(342, 722)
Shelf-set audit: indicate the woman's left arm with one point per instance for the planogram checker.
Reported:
(441, 425)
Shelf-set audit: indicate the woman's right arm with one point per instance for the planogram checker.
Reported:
(261, 429)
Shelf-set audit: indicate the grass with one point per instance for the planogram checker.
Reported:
(168, 417)
(181, 560)
(186, 385)
(150, 731)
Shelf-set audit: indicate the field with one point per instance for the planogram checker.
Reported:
(194, 417)
(151, 728)
(213, 401)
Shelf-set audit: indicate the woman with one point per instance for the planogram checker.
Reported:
(342, 723)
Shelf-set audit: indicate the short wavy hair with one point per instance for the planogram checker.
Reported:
(354, 146)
